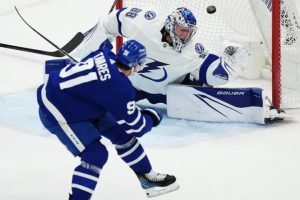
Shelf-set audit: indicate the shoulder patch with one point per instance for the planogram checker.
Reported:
(149, 15)
(200, 49)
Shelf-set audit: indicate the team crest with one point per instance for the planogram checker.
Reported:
(149, 15)
(199, 48)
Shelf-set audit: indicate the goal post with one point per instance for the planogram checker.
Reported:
(276, 52)
(119, 39)
(274, 24)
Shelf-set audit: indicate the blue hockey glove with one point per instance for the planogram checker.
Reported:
(154, 114)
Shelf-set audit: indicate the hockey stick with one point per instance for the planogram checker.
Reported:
(113, 6)
(70, 46)
(59, 49)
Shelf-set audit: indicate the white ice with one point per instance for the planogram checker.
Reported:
(212, 161)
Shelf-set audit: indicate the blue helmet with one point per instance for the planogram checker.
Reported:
(132, 53)
(182, 17)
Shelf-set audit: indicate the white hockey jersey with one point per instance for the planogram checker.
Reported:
(164, 65)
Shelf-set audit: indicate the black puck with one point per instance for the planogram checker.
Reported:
(211, 9)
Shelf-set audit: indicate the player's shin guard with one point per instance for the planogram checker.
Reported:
(84, 181)
(134, 155)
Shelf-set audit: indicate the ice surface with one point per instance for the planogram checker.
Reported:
(212, 161)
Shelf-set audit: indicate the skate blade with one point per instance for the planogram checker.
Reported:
(156, 191)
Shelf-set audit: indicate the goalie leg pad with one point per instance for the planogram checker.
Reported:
(216, 104)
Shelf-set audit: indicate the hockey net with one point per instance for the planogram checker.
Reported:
(249, 21)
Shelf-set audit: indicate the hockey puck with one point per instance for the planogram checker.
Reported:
(211, 9)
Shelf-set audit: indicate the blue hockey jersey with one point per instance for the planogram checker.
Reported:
(87, 90)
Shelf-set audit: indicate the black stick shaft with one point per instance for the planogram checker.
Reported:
(59, 49)
(113, 6)
(70, 46)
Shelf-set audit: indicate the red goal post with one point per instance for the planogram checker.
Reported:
(276, 52)
(119, 39)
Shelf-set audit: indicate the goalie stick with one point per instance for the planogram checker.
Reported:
(70, 46)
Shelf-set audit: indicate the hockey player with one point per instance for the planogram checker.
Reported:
(174, 57)
(80, 103)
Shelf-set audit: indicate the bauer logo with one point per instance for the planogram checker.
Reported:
(199, 48)
(149, 15)
(230, 93)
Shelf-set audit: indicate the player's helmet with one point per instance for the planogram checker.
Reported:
(184, 18)
(131, 53)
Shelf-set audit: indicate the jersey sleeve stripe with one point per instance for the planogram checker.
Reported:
(119, 21)
(137, 119)
(137, 130)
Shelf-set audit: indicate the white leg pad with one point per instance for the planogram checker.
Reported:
(216, 104)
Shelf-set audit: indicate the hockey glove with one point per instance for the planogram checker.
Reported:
(155, 115)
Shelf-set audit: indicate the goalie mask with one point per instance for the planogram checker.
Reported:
(181, 25)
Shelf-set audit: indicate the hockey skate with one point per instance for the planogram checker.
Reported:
(156, 184)
(273, 114)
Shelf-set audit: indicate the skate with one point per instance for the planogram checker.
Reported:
(156, 184)
(273, 114)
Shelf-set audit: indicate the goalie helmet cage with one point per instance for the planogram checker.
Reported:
(273, 23)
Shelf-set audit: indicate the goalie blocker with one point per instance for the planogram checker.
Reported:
(220, 104)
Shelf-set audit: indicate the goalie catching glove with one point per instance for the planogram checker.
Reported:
(154, 114)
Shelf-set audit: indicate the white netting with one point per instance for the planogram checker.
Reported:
(290, 61)
(212, 28)
(244, 20)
